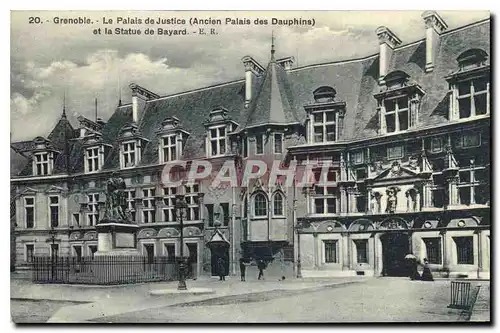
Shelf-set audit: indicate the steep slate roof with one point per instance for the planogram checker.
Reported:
(17, 161)
(279, 97)
(274, 101)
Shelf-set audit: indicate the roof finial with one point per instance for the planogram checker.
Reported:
(119, 91)
(64, 106)
(96, 109)
(272, 46)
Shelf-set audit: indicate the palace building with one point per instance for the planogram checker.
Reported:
(406, 133)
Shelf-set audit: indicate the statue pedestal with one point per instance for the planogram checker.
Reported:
(116, 239)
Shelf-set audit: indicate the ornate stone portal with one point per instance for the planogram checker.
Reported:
(116, 233)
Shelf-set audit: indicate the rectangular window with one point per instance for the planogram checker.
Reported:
(76, 219)
(469, 140)
(169, 148)
(193, 211)
(245, 147)
(473, 98)
(29, 252)
(92, 159)
(29, 212)
(225, 209)
(129, 152)
(361, 251)
(433, 249)
(42, 164)
(325, 198)
(54, 211)
(148, 204)
(259, 145)
(131, 203)
(210, 212)
(217, 138)
(394, 152)
(330, 251)
(357, 157)
(397, 114)
(324, 126)
(93, 213)
(278, 143)
(169, 194)
(472, 183)
(465, 250)
(436, 145)
(77, 252)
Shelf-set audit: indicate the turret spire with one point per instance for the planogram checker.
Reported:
(64, 106)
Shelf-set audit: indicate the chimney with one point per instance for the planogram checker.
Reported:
(252, 70)
(139, 97)
(388, 41)
(286, 63)
(434, 26)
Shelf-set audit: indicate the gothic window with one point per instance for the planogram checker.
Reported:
(259, 205)
(278, 206)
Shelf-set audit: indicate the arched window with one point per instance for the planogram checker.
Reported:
(260, 205)
(324, 94)
(278, 209)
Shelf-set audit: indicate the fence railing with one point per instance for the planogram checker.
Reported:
(460, 295)
(107, 270)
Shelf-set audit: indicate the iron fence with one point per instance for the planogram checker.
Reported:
(107, 270)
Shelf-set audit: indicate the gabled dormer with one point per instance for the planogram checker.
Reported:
(470, 86)
(131, 146)
(171, 140)
(398, 103)
(325, 116)
(94, 152)
(218, 126)
(43, 157)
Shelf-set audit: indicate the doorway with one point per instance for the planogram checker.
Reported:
(219, 253)
(395, 246)
(192, 260)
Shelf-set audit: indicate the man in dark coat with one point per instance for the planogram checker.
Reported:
(426, 274)
(261, 265)
(242, 269)
(221, 269)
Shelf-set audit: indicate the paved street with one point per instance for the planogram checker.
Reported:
(319, 300)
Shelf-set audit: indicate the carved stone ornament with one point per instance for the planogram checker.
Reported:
(395, 169)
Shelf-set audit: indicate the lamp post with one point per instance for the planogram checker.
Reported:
(180, 207)
(299, 265)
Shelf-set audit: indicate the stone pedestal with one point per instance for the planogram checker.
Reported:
(116, 239)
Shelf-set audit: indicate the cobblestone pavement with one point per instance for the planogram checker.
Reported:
(375, 300)
(34, 311)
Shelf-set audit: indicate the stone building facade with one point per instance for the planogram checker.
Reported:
(402, 137)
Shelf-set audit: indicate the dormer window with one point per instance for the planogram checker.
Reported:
(95, 150)
(218, 126)
(131, 144)
(470, 86)
(129, 154)
(172, 139)
(326, 116)
(43, 157)
(398, 103)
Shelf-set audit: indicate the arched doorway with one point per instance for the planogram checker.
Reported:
(395, 247)
(219, 248)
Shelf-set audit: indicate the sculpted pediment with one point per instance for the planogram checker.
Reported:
(395, 171)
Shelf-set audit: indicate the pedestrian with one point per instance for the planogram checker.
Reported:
(242, 269)
(426, 274)
(413, 268)
(221, 269)
(261, 265)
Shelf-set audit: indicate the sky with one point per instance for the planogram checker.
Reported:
(51, 60)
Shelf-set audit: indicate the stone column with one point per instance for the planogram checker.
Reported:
(453, 191)
(351, 194)
(446, 251)
(480, 263)
(317, 252)
(345, 251)
(343, 200)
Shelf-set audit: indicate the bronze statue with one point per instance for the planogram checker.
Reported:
(116, 201)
